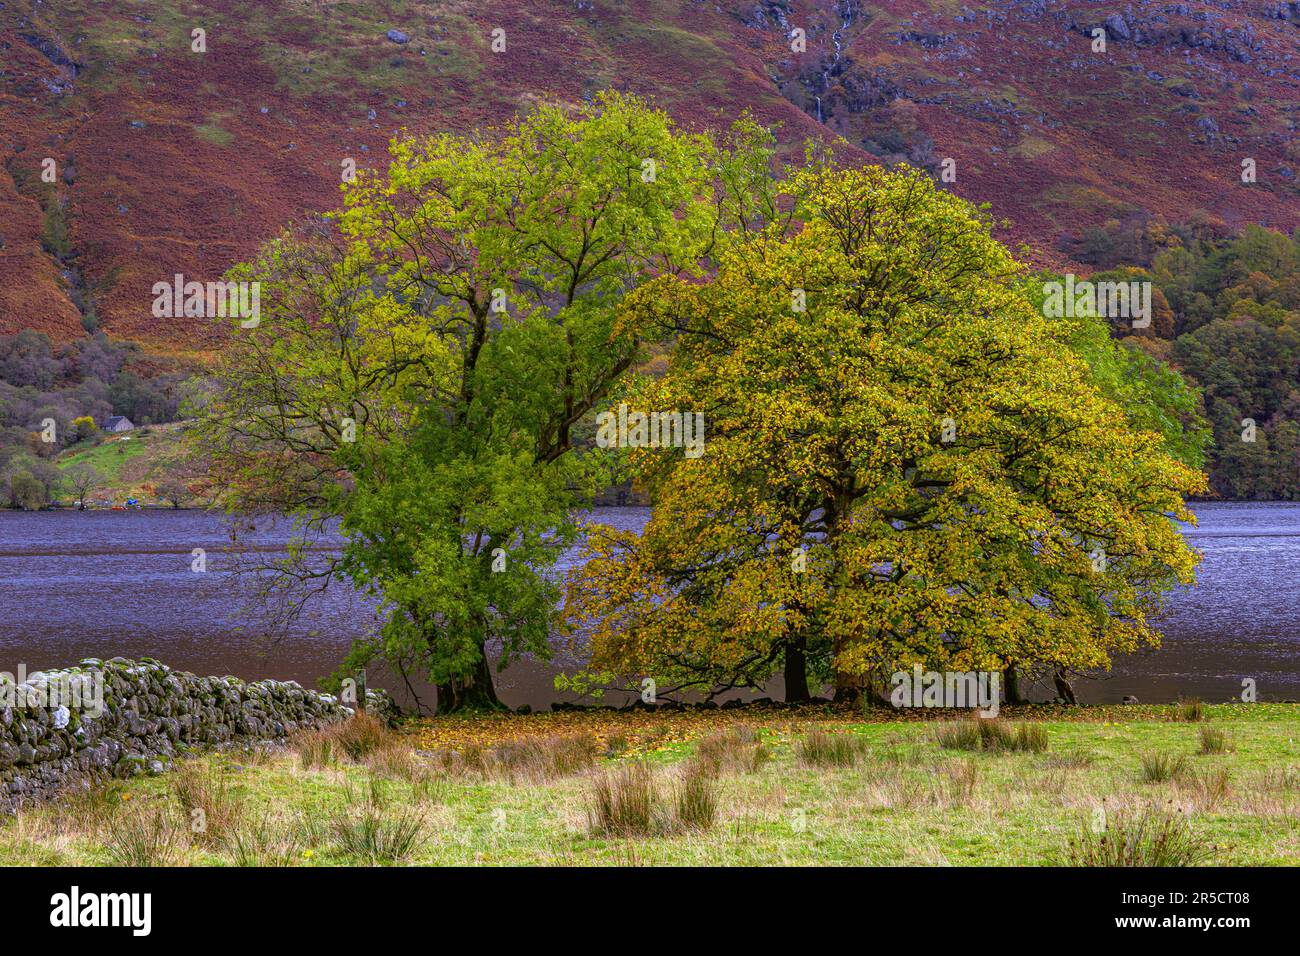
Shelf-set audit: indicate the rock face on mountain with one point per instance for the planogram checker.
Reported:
(121, 718)
(142, 141)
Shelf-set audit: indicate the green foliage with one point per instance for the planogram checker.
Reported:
(424, 356)
(1153, 395)
(54, 231)
(80, 480)
(27, 482)
(41, 380)
(1228, 319)
(84, 428)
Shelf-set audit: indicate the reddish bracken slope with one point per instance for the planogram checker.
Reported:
(170, 160)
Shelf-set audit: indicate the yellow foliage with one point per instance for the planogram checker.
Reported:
(878, 394)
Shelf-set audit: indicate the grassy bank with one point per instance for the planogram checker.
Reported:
(136, 464)
(723, 788)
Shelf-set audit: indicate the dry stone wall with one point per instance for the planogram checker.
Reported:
(118, 718)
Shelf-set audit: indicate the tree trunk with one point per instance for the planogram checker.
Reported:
(848, 689)
(1012, 679)
(796, 671)
(1063, 687)
(846, 693)
(473, 692)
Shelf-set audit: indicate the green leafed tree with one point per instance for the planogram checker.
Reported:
(423, 356)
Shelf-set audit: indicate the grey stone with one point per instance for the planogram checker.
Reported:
(151, 713)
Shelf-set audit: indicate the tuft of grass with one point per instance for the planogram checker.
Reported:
(145, 837)
(539, 759)
(991, 734)
(820, 749)
(88, 812)
(697, 799)
(1158, 767)
(958, 735)
(1071, 761)
(471, 758)
(1209, 789)
(1213, 740)
(207, 800)
(628, 802)
(258, 754)
(399, 763)
(362, 734)
(960, 780)
(355, 739)
(1283, 780)
(1030, 738)
(315, 749)
(263, 842)
(377, 838)
(904, 791)
(995, 735)
(527, 759)
(736, 750)
(624, 803)
(1190, 709)
(1150, 837)
(366, 829)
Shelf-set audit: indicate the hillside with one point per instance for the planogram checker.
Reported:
(143, 464)
(169, 160)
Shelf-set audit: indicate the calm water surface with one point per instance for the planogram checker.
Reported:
(103, 584)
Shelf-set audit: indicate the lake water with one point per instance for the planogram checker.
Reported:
(105, 584)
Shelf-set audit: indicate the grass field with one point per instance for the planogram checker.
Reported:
(736, 789)
(131, 465)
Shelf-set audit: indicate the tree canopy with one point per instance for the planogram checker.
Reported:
(424, 355)
(905, 462)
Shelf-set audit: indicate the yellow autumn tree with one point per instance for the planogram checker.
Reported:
(904, 463)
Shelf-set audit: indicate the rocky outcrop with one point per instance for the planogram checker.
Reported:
(1182, 27)
(120, 718)
(773, 14)
(49, 49)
